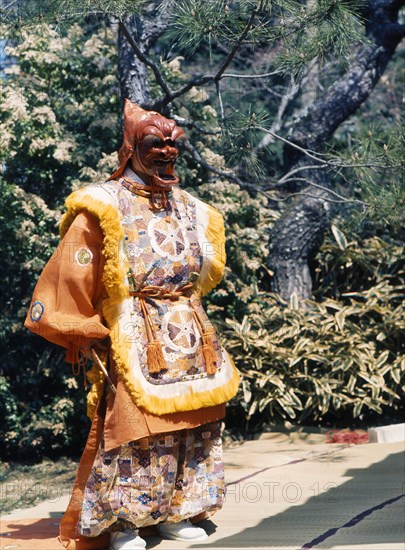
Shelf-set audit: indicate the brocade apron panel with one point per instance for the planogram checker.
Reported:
(162, 249)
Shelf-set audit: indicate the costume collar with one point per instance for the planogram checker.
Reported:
(130, 174)
(131, 181)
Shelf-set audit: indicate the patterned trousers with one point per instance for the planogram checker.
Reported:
(174, 476)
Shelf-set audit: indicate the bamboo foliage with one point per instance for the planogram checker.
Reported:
(339, 360)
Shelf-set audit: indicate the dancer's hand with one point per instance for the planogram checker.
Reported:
(99, 346)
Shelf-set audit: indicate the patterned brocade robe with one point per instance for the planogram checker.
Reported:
(114, 243)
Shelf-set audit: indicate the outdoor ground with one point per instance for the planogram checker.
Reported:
(285, 491)
(24, 486)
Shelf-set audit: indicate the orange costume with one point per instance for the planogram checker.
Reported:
(136, 256)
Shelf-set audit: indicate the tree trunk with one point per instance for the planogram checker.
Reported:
(295, 239)
(297, 235)
(132, 72)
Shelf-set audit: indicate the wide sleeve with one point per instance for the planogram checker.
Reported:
(211, 237)
(65, 307)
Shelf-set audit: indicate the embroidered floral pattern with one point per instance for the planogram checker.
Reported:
(179, 331)
(167, 239)
(182, 477)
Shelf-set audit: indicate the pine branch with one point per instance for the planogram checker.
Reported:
(263, 75)
(348, 93)
(222, 173)
(306, 152)
(286, 99)
(287, 176)
(221, 105)
(187, 123)
(330, 191)
(10, 5)
(199, 80)
(325, 199)
(169, 94)
(323, 163)
(236, 46)
(205, 79)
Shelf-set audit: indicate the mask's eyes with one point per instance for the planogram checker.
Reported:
(152, 141)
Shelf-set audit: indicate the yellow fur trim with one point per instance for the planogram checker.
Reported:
(121, 350)
(113, 276)
(96, 378)
(215, 233)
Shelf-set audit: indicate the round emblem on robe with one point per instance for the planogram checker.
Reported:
(37, 310)
(84, 256)
(179, 329)
(167, 239)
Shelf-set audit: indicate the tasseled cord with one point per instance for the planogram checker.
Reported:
(209, 353)
(210, 356)
(156, 360)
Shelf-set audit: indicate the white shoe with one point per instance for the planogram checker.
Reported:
(126, 540)
(183, 530)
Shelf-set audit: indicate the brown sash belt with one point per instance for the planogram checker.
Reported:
(156, 360)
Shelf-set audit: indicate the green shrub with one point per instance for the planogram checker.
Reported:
(339, 361)
(43, 408)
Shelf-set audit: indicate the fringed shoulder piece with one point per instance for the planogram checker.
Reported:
(101, 202)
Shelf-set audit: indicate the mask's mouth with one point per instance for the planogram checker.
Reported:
(164, 172)
(165, 180)
(157, 167)
(166, 177)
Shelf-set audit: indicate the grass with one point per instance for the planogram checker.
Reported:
(23, 486)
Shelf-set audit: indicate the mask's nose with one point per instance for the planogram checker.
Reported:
(168, 152)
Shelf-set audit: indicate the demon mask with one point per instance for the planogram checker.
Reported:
(151, 144)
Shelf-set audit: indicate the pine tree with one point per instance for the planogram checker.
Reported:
(283, 78)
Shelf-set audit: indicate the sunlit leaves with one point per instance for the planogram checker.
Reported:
(59, 109)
